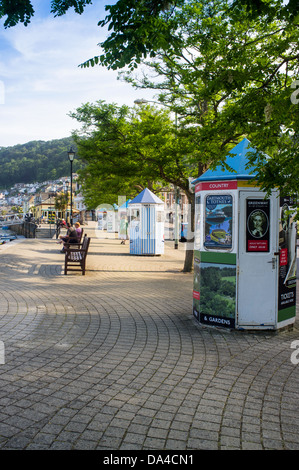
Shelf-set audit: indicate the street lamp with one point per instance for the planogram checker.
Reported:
(71, 155)
(66, 200)
(140, 101)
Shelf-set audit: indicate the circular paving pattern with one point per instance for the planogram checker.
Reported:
(114, 359)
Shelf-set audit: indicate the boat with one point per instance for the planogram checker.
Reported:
(216, 217)
(7, 238)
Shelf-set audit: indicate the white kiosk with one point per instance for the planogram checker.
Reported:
(245, 250)
(112, 215)
(146, 226)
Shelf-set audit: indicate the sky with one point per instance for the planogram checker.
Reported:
(40, 81)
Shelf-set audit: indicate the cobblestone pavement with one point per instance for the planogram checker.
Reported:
(114, 359)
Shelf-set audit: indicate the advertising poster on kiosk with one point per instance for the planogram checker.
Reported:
(218, 221)
(196, 285)
(218, 294)
(287, 256)
(258, 225)
(214, 288)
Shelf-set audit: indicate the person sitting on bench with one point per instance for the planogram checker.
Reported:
(70, 237)
(78, 230)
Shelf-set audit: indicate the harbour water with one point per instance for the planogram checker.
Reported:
(6, 235)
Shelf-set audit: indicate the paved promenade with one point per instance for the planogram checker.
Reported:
(114, 360)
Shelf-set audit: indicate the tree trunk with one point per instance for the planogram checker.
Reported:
(188, 264)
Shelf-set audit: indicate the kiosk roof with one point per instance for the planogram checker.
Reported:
(146, 197)
(237, 160)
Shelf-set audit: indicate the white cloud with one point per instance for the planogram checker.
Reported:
(41, 80)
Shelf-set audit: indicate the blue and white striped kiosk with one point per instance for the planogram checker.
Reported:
(244, 251)
(146, 226)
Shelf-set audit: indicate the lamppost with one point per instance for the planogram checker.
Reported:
(66, 200)
(176, 189)
(71, 155)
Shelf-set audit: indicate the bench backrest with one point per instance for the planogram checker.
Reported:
(85, 244)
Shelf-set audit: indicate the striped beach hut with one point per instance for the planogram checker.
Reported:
(146, 215)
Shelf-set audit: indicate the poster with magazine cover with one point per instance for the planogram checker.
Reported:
(287, 255)
(258, 225)
(218, 221)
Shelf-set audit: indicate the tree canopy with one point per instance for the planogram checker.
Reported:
(35, 161)
(139, 28)
(232, 78)
(127, 149)
(22, 11)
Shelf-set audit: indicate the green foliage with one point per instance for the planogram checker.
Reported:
(138, 28)
(35, 161)
(125, 150)
(21, 11)
(59, 7)
(232, 79)
(18, 11)
(61, 202)
(270, 10)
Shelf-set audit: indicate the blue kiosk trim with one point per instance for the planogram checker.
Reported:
(237, 160)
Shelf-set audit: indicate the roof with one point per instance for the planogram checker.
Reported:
(237, 160)
(146, 197)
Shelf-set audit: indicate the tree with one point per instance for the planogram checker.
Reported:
(61, 202)
(231, 78)
(126, 150)
(229, 68)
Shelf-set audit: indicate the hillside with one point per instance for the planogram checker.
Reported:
(35, 161)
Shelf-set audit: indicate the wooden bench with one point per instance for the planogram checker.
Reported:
(75, 258)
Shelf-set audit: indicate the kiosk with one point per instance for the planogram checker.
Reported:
(112, 215)
(106, 217)
(146, 228)
(245, 250)
(101, 217)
